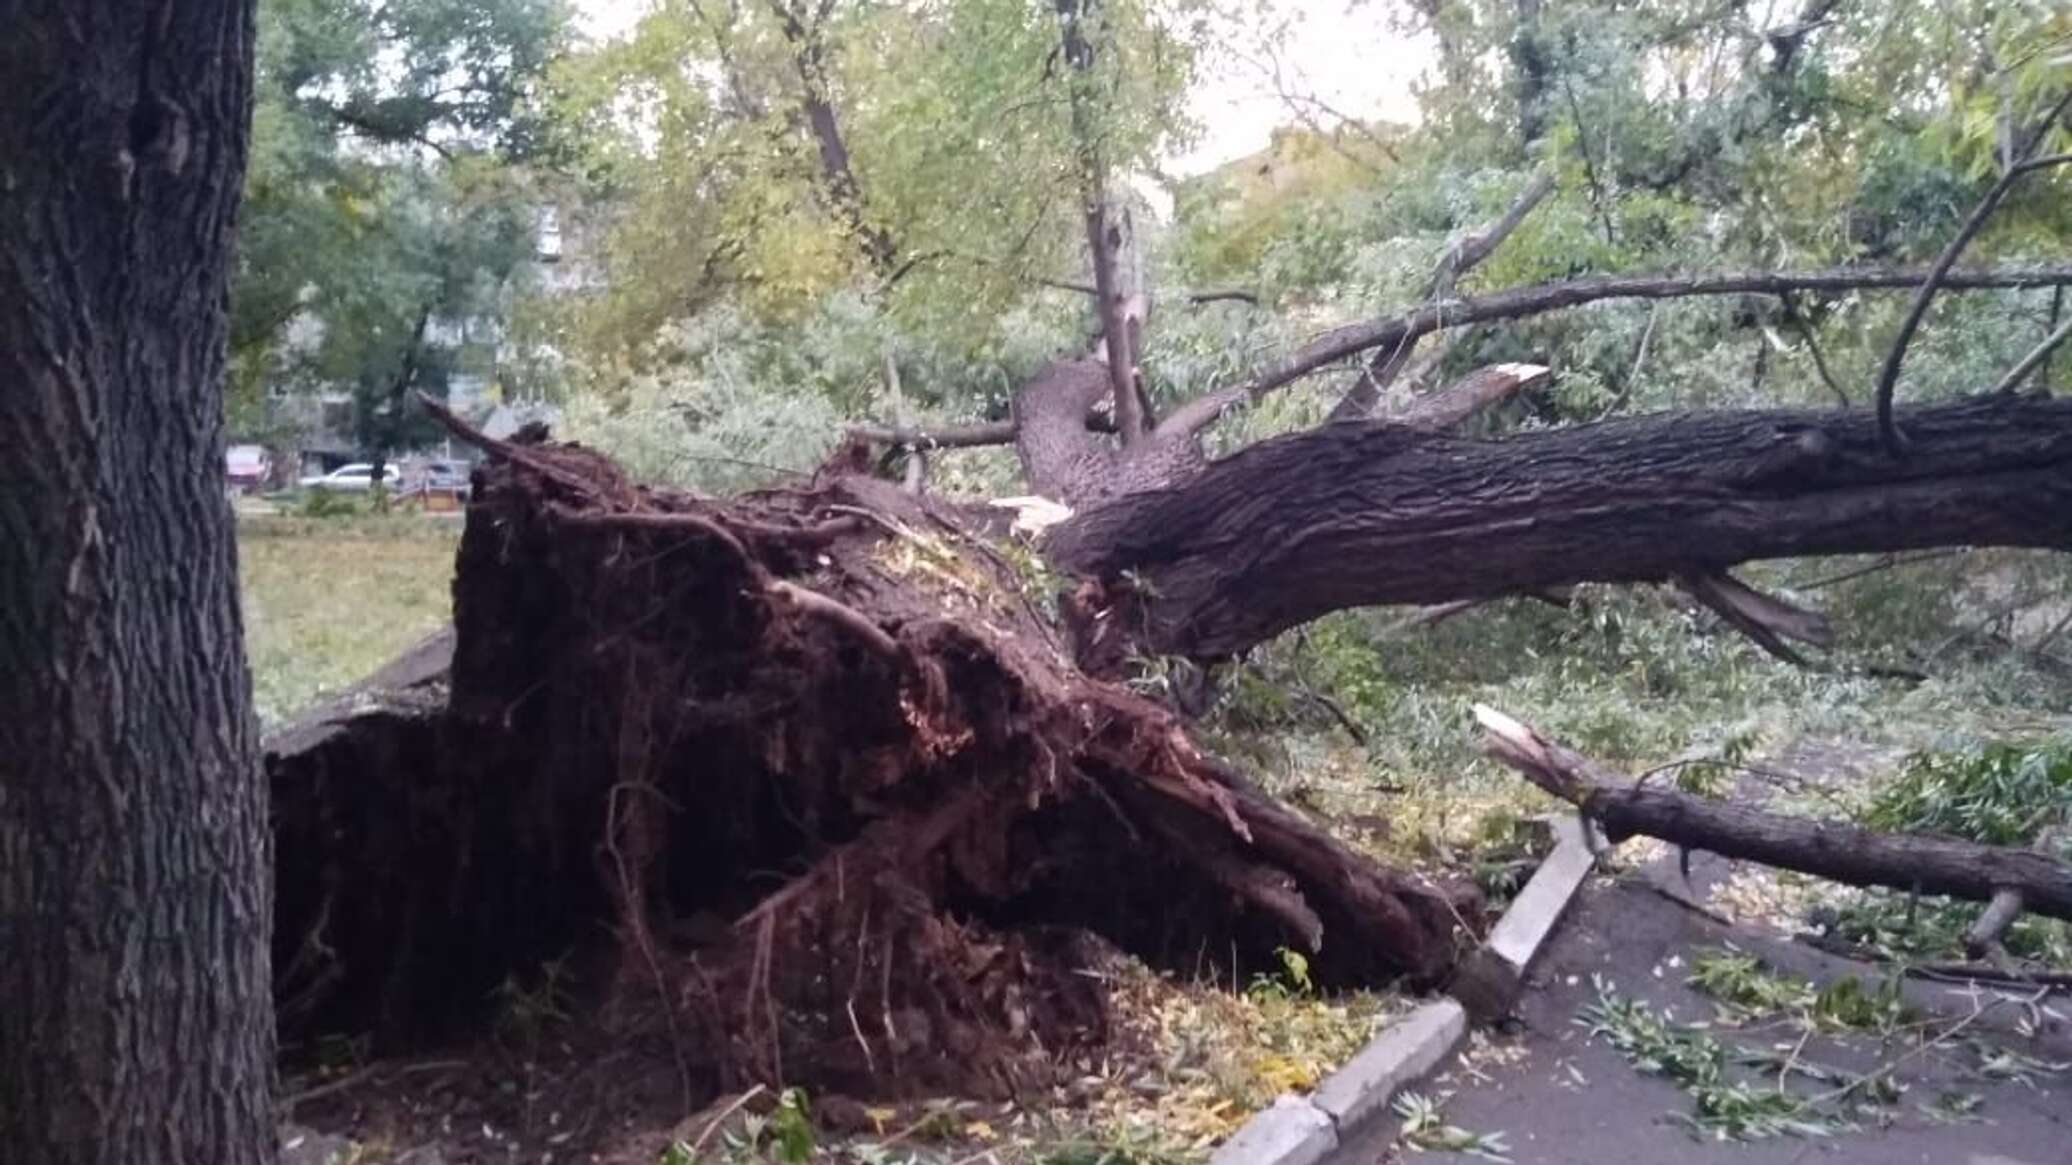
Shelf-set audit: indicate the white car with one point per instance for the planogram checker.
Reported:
(357, 477)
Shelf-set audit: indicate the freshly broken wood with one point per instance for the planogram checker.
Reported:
(1828, 849)
(1984, 936)
(1360, 401)
(1765, 619)
(1481, 389)
(1982, 940)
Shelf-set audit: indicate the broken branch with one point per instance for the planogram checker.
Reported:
(1518, 302)
(1828, 849)
(2024, 163)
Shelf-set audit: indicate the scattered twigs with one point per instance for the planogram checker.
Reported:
(2023, 162)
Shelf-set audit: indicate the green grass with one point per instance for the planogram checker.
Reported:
(328, 601)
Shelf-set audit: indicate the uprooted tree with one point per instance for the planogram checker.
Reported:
(812, 786)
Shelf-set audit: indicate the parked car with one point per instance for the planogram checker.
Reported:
(445, 475)
(357, 477)
(248, 467)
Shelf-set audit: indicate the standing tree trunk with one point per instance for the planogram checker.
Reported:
(1103, 234)
(807, 37)
(398, 399)
(136, 1020)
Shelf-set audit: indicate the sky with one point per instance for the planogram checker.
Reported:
(1343, 55)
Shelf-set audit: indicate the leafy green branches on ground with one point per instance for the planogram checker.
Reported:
(1748, 989)
(1424, 1126)
(1742, 1091)
(1725, 1104)
(1997, 794)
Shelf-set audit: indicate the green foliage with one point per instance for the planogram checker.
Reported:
(1292, 982)
(2000, 794)
(1725, 1105)
(1424, 1126)
(698, 131)
(1745, 983)
(388, 220)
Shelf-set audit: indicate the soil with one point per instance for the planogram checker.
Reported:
(802, 789)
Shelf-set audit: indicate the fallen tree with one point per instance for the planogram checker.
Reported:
(800, 786)
(1834, 850)
(1369, 514)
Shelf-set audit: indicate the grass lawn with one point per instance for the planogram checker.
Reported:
(328, 600)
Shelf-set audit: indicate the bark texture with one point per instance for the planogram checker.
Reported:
(1362, 514)
(135, 1015)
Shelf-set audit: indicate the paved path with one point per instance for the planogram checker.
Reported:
(1563, 1099)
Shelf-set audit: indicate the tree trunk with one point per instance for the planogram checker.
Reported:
(1103, 234)
(1362, 514)
(136, 1019)
(845, 195)
(398, 401)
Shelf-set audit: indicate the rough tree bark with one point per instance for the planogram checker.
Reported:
(136, 1021)
(1369, 514)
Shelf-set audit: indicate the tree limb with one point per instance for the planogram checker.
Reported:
(2034, 360)
(1518, 302)
(1365, 394)
(1471, 394)
(2024, 163)
(1374, 514)
(1766, 619)
(1828, 849)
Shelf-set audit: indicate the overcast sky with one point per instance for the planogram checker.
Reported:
(1344, 55)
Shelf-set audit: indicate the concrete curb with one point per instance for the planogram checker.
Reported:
(1304, 1130)
(1489, 982)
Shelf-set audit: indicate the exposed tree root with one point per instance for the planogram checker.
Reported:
(801, 784)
